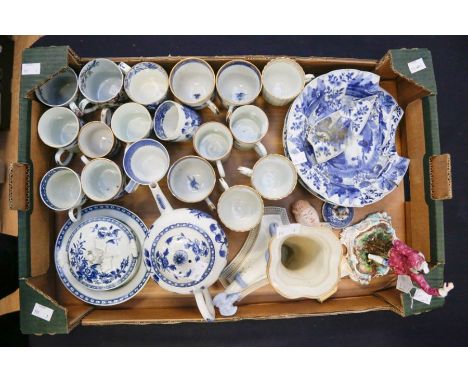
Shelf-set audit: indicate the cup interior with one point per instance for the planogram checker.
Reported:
(274, 177)
(249, 124)
(192, 81)
(96, 139)
(213, 141)
(167, 121)
(191, 179)
(240, 208)
(101, 179)
(131, 122)
(100, 80)
(61, 188)
(239, 82)
(59, 90)
(146, 83)
(283, 79)
(58, 127)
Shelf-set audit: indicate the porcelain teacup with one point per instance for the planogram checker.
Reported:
(131, 122)
(60, 190)
(283, 79)
(213, 141)
(238, 83)
(58, 127)
(240, 208)
(273, 176)
(146, 83)
(175, 122)
(191, 179)
(249, 124)
(192, 81)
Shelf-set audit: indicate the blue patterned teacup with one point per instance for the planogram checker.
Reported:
(175, 122)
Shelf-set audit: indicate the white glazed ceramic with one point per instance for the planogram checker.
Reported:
(101, 179)
(131, 122)
(93, 296)
(60, 190)
(192, 81)
(283, 79)
(304, 262)
(175, 122)
(191, 179)
(58, 127)
(240, 208)
(146, 83)
(213, 141)
(249, 124)
(238, 83)
(273, 176)
(96, 140)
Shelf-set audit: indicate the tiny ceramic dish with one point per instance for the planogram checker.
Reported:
(337, 216)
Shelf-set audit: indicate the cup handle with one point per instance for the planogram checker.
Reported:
(308, 78)
(260, 149)
(131, 186)
(84, 159)
(245, 171)
(212, 107)
(210, 204)
(229, 112)
(223, 184)
(205, 303)
(106, 116)
(161, 201)
(58, 157)
(124, 67)
(75, 109)
(220, 167)
(74, 214)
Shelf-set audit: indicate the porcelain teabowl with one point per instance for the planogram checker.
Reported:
(213, 141)
(273, 176)
(191, 179)
(58, 127)
(60, 190)
(175, 122)
(238, 83)
(131, 122)
(192, 81)
(249, 124)
(146, 83)
(283, 79)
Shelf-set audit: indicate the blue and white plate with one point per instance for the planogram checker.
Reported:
(102, 297)
(366, 166)
(103, 253)
(337, 216)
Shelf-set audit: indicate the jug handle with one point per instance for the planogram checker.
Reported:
(161, 201)
(205, 303)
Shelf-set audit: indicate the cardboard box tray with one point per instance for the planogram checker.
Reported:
(414, 206)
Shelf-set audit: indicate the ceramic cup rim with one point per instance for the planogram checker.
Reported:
(231, 140)
(291, 62)
(87, 127)
(250, 65)
(250, 189)
(92, 99)
(174, 70)
(158, 68)
(257, 109)
(68, 111)
(40, 99)
(185, 158)
(179, 108)
(61, 168)
(143, 109)
(115, 166)
(285, 160)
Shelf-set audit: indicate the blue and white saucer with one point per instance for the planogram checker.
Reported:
(337, 216)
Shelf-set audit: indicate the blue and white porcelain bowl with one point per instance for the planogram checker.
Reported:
(103, 253)
(337, 216)
(175, 122)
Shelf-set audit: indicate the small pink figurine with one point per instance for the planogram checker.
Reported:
(405, 260)
(305, 214)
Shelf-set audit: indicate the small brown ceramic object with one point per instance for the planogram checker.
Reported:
(305, 214)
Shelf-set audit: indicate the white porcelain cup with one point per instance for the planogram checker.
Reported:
(146, 83)
(192, 179)
(273, 176)
(102, 179)
(58, 127)
(283, 79)
(175, 122)
(238, 83)
(192, 81)
(249, 124)
(131, 122)
(213, 141)
(240, 208)
(60, 190)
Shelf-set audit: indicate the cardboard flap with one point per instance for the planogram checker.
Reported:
(19, 186)
(440, 172)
